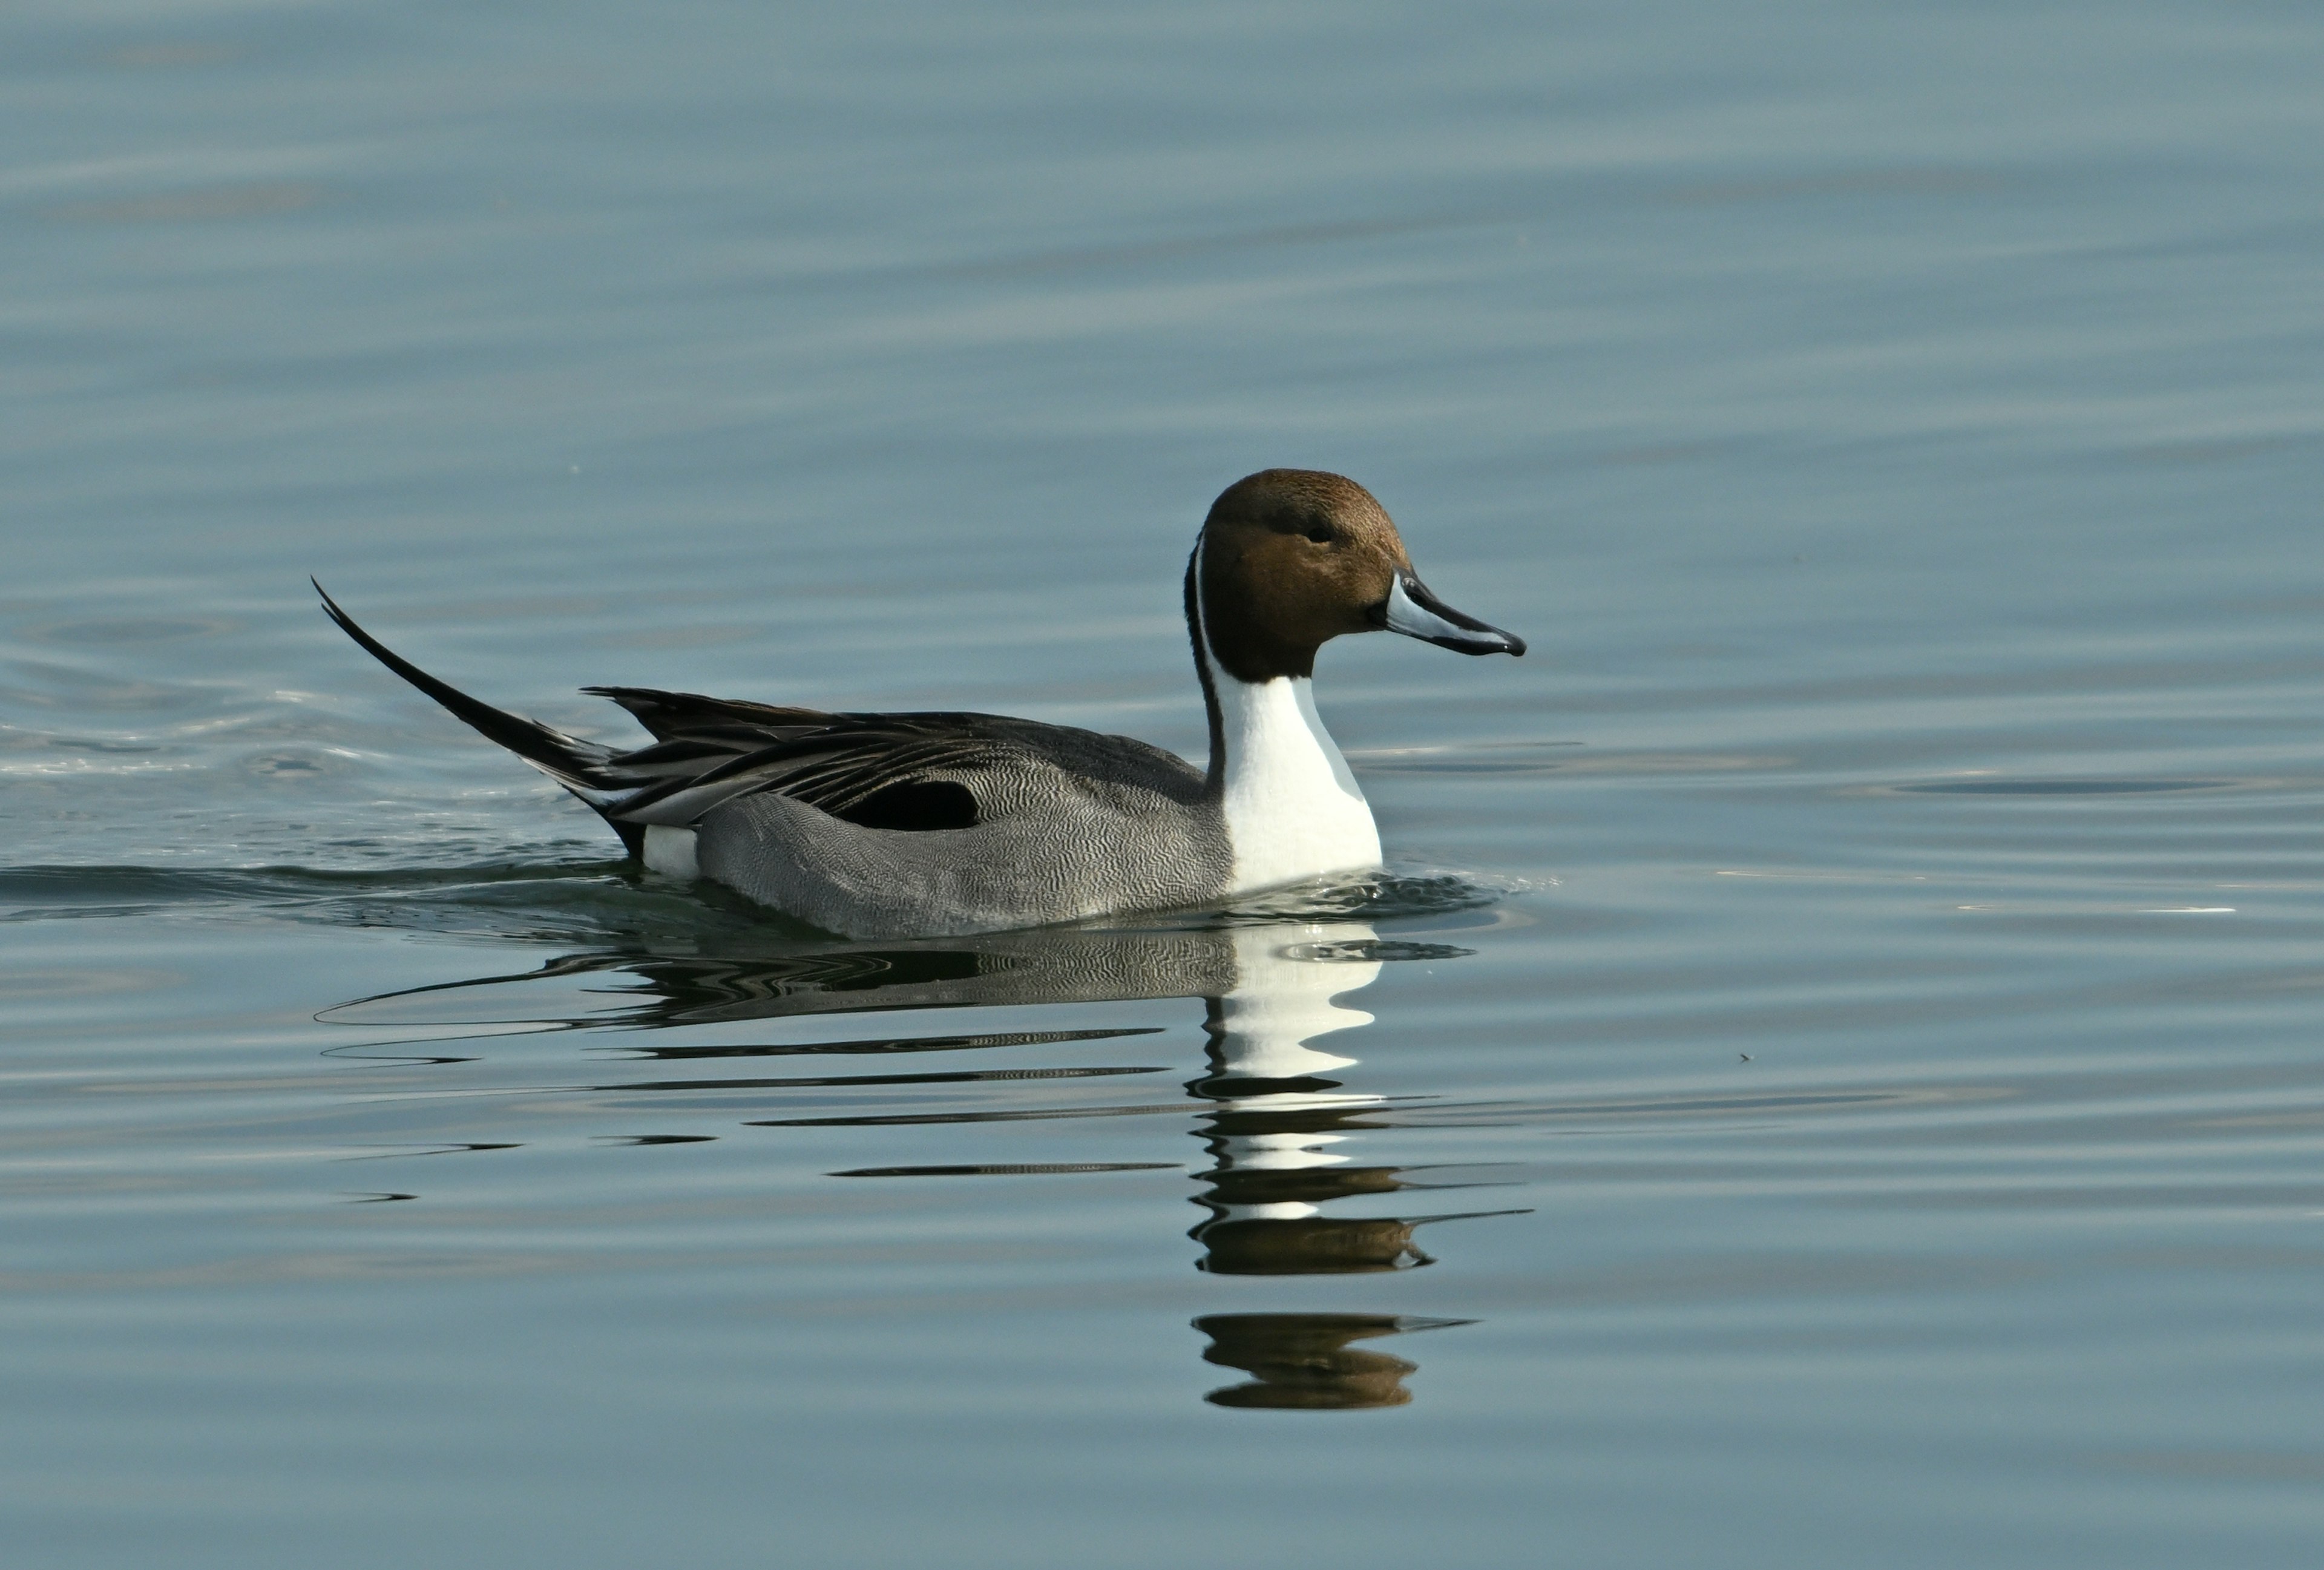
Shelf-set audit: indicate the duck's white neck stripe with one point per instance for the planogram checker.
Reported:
(1294, 810)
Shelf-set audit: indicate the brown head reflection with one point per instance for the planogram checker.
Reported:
(1307, 1363)
(1274, 1174)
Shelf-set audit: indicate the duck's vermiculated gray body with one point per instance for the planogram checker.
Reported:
(1069, 824)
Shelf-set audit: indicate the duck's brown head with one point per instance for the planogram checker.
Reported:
(1291, 559)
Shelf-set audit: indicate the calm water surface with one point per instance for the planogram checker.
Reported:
(1833, 1075)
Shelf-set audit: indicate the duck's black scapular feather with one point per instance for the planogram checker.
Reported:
(913, 771)
(669, 714)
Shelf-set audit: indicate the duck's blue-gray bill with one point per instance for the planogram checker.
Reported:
(1415, 612)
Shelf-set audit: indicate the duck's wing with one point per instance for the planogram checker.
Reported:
(923, 772)
(899, 771)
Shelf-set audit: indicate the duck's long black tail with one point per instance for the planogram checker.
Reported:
(581, 767)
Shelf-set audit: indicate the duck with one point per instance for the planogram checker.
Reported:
(925, 825)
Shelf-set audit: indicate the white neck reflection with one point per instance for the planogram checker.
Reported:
(1288, 980)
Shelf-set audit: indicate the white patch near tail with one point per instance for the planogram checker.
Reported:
(670, 852)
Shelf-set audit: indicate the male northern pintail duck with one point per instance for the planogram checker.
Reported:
(904, 825)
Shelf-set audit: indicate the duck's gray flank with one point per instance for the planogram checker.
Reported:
(884, 825)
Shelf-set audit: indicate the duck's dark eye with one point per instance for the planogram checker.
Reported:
(1321, 533)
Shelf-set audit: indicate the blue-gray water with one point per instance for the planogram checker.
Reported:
(1843, 1022)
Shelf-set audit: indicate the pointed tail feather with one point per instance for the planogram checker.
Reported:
(581, 767)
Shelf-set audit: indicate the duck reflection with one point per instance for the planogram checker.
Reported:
(1286, 1186)
(674, 985)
